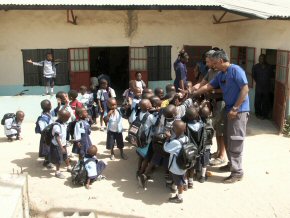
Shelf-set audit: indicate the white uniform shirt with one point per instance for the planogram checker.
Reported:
(91, 168)
(61, 131)
(10, 127)
(84, 99)
(173, 148)
(49, 70)
(181, 109)
(100, 93)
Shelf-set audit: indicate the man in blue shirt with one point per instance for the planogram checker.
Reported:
(233, 82)
(180, 70)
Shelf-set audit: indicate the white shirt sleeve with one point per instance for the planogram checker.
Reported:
(78, 131)
(99, 94)
(113, 93)
(42, 124)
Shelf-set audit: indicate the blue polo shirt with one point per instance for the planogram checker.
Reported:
(180, 72)
(231, 83)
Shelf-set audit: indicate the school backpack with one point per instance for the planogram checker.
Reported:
(209, 133)
(137, 136)
(46, 133)
(43, 118)
(79, 173)
(196, 135)
(7, 116)
(187, 155)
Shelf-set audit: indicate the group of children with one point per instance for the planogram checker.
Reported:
(169, 121)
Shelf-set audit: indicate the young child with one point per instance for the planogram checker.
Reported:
(139, 82)
(82, 131)
(144, 156)
(159, 92)
(193, 121)
(103, 95)
(163, 123)
(63, 103)
(129, 93)
(74, 103)
(170, 93)
(135, 105)
(94, 167)
(58, 150)
(12, 126)
(173, 147)
(43, 121)
(115, 129)
(49, 71)
(204, 158)
(181, 103)
(189, 86)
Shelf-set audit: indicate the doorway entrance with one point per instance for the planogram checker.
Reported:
(113, 61)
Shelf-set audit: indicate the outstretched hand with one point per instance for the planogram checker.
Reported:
(29, 61)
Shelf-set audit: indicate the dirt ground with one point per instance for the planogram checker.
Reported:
(264, 192)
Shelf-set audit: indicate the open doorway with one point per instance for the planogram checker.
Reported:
(271, 58)
(113, 61)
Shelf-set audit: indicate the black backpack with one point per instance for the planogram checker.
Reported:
(37, 127)
(137, 136)
(79, 173)
(7, 116)
(195, 133)
(46, 133)
(187, 156)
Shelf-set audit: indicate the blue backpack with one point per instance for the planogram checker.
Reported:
(43, 118)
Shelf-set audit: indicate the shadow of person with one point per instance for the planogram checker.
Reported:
(3, 139)
(123, 175)
(33, 166)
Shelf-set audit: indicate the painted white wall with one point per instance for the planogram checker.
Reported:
(49, 29)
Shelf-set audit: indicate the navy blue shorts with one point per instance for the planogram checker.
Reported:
(49, 81)
(203, 160)
(113, 137)
(178, 179)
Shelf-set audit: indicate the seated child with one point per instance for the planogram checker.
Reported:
(159, 93)
(94, 167)
(104, 93)
(115, 129)
(58, 150)
(74, 103)
(43, 121)
(82, 131)
(12, 126)
(173, 147)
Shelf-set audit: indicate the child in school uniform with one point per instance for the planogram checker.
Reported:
(94, 167)
(104, 93)
(115, 129)
(159, 93)
(173, 147)
(145, 153)
(135, 105)
(63, 103)
(74, 103)
(43, 121)
(82, 131)
(58, 150)
(12, 126)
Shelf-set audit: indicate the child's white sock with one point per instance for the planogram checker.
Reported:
(51, 90)
(203, 171)
(174, 187)
(179, 196)
(186, 181)
(46, 88)
(190, 180)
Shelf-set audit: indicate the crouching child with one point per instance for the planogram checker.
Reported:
(173, 146)
(12, 125)
(94, 167)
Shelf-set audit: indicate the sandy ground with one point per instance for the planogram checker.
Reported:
(264, 192)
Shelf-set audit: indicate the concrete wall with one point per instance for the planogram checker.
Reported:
(49, 29)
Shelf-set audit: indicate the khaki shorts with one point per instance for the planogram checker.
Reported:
(218, 118)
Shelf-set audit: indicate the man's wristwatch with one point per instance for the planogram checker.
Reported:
(235, 109)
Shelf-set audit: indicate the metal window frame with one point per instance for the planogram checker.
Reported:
(73, 60)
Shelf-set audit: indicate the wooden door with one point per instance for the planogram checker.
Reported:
(79, 67)
(281, 88)
(195, 53)
(138, 63)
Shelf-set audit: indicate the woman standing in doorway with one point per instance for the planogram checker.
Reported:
(180, 70)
